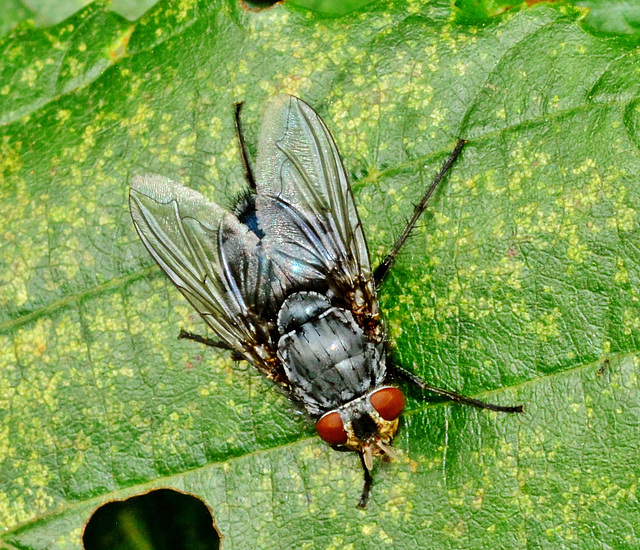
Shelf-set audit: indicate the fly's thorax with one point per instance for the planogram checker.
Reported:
(299, 308)
(327, 357)
(365, 421)
(364, 302)
(245, 211)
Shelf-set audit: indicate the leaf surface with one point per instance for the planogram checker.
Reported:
(519, 286)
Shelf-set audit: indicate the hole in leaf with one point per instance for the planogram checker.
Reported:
(257, 5)
(327, 8)
(159, 520)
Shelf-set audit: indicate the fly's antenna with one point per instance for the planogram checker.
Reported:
(368, 480)
(380, 271)
(248, 171)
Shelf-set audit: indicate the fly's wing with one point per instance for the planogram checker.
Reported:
(212, 258)
(305, 205)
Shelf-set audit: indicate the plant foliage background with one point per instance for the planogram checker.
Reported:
(521, 285)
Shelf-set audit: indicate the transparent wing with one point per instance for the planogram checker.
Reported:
(305, 205)
(213, 260)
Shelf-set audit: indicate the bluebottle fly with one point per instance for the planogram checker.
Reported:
(285, 282)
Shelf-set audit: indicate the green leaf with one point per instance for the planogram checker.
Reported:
(620, 17)
(13, 12)
(329, 7)
(51, 12)
(520, 286)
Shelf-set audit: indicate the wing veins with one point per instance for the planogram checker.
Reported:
(331, 167)
(173, 252)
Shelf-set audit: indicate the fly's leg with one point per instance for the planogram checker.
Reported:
(458, 398)
(184, 335)
(248, 172)
(368, 480)
(235, 355)
(380, 271)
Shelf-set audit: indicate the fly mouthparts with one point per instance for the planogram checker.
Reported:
(367, 456)
(387, 449)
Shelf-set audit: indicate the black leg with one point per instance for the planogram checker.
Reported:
(366, 489)
(235, 355)
(458, 398)
(380, 271)
(248, 172)
(184, 335)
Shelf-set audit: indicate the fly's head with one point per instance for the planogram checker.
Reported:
(365, 425)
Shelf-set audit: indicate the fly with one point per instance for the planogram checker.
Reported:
(285, 281)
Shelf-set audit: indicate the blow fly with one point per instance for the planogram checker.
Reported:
(285, 282)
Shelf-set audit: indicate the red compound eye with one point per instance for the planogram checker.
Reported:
(389, 402)
(331, 429)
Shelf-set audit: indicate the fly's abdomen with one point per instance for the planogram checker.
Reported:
(325, 354)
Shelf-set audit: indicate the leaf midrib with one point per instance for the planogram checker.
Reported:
(165, 481)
